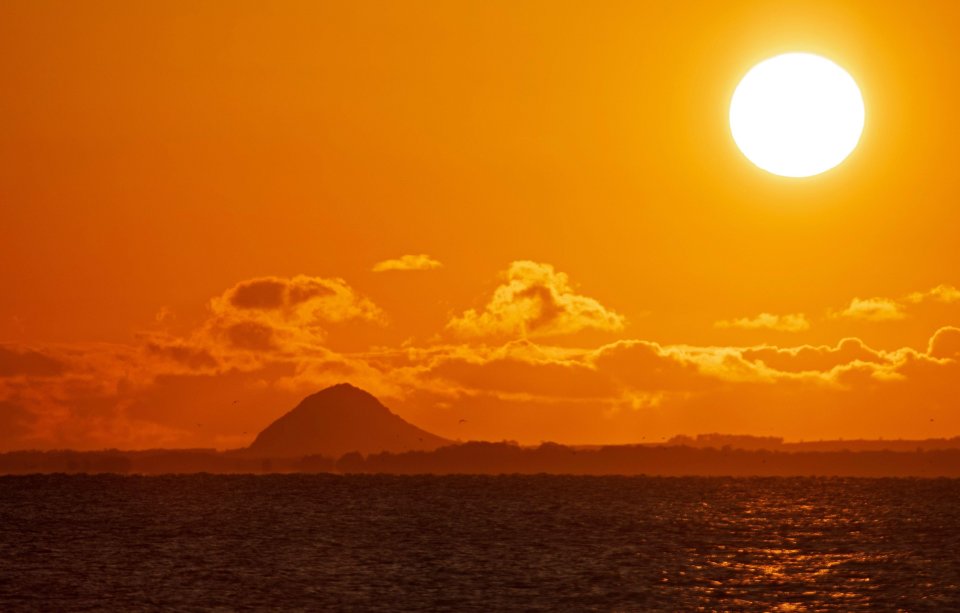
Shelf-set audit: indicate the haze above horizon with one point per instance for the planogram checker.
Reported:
(506, 221)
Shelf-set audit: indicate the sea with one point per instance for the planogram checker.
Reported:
(477, 543)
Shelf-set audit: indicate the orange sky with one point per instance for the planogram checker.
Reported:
(598, 250)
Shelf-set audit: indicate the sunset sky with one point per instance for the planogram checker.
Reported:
(527, 215)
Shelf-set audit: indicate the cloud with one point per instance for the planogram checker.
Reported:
(945, 343)
(251, 335)
(889, 309)
(82, 405)
(169, 392)
(512, 376)
(631, 388)
(941, 293)
(646, 366)
(635, 390)
(795, 322)
(420, 261)
(535, 301)
(873, 309)
(266, 294)
(27, 362)
(301, 298)
(262, 346)
(179, 352)
(270, 314)
(809, 358)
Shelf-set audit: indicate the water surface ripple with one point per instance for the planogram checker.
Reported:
(468, 543)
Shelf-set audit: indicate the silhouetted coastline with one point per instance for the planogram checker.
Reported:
(343, 429)
(509, 458)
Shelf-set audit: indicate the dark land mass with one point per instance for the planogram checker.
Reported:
(507, 458)
(343, 429)
(771, 443)
(338, 420)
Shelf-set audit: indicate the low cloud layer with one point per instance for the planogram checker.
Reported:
(498, 373)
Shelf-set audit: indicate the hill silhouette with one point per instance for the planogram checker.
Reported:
(338, 420)
(343, 429)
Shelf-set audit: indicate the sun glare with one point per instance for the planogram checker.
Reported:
(797, 115)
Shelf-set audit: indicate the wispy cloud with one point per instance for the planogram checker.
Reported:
(420, 261)
(794, 322)
(941, 293)
(893, 309)
(873, 309)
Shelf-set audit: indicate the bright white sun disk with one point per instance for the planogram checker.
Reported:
(797, 115)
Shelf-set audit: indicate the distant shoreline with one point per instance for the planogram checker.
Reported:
(481, 458)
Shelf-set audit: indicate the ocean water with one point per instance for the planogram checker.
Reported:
(466, 543)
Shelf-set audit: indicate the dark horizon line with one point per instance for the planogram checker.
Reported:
(702, 440)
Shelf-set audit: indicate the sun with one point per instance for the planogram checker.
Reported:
(797, 115)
